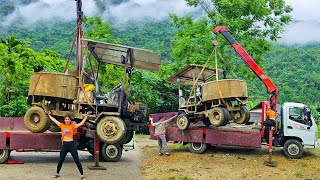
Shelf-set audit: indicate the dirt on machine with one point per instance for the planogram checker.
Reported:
(204, 97)
(77, 91)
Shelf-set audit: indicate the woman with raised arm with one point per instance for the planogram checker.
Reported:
(67, 142)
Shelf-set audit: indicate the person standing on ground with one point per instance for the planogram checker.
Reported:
(160, 133)
(67, 142)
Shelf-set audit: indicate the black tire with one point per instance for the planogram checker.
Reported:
(111, 129)
(293, 149)
(206, 121)
(218, 116)
(4, 155)
(111, 152)
(242, 116)
(183, 122)
(227, 117)
(127, 137)
(198, 148)
(36, 120)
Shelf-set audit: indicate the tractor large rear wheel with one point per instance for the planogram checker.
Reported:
(36, 120)
(242, 116)
(127, 137)
(111, 129)
(218, 116)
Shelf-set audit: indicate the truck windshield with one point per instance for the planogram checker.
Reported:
(300, 115)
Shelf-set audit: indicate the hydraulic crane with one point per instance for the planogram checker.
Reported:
(271, 87)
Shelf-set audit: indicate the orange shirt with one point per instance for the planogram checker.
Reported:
(67, 130)
(271, 114)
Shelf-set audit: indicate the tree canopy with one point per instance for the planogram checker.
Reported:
(180, 40)
(252, 23)
(18, 62)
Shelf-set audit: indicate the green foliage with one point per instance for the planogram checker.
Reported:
(294, 70)
(155, 36)
(318, 130)
(15, 108)
(18, 62)
(96, 29)
(56, 35)
(193, 42)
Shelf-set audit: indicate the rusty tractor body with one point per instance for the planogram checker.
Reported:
(211, 100)
(76, 93)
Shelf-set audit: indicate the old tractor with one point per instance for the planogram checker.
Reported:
(77, 91)
(209, 99)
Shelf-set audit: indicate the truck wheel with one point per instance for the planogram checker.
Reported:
(242, 116)
(198, 148)
(111, 152)
(127, 138)
(36, 120)
(111, 129)
(4, 155)
(217, 116)
(293, 149)
(183, 122)
(227, 117)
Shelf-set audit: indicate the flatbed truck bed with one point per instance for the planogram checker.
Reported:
(15, 137)
(230, 135)
(292, 134)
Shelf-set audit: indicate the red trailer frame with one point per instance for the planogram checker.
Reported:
(15, 136)
(230, 135)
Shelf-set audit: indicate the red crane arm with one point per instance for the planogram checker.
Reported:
(271, 87)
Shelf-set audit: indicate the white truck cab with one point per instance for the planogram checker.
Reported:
(299, 129)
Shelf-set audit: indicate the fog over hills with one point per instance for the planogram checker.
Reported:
(304, 28)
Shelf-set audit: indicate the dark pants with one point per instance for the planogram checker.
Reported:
(69, 147)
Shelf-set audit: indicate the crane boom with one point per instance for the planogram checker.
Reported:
(271, 87)
(79, 36)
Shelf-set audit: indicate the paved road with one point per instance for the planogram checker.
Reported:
(42, 165)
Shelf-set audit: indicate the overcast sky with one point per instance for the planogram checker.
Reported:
(304, 28)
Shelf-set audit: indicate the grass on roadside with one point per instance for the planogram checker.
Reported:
(299, 175)
(178, 146)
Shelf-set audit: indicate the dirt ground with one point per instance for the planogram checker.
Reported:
(224, 163)
(144, 163)
(42, 165)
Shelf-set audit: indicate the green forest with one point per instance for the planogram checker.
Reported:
(181, 40)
